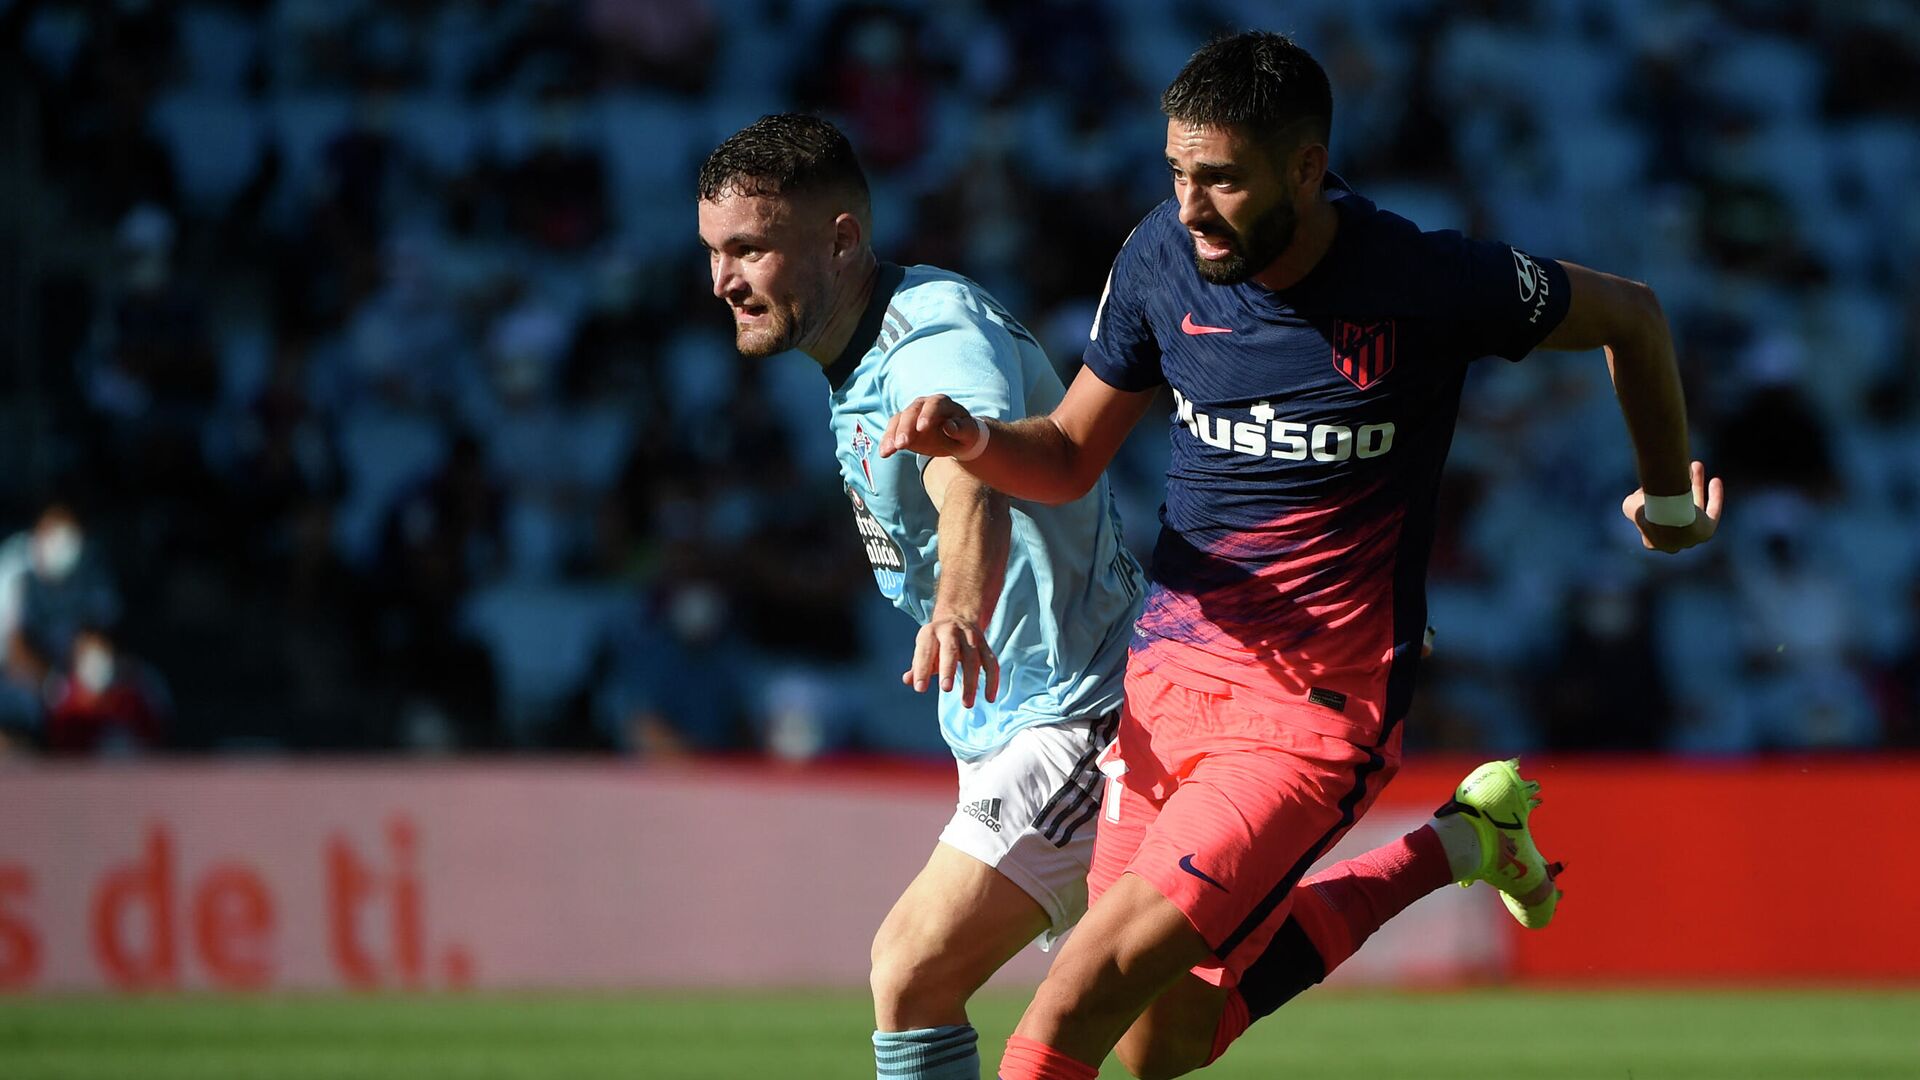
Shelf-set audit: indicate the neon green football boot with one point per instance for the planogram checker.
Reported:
(1498, 802)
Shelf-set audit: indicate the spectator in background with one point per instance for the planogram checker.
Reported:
(440, 540)
(666, 43)
(102, 144)
(106, 702)
(286, 468)
(1775, 437)
(1604, 689)
(870, 71)
(154, 377)
(557, 196)
(670, 678)
(1746, 225)
(53, 582)
(612, 356)
(542, 39)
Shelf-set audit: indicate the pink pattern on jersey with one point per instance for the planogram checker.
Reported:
(1308, 597)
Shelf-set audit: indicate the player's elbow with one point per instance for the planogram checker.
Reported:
(1637, 314)
(1074, 471)
(1067, 487)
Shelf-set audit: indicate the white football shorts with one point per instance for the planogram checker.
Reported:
(1027, 809)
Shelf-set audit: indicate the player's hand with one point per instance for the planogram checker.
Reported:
(933, 426)
(1709, 496)
(949, 644)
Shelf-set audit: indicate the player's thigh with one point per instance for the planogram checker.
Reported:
(1029, 810)
(957, 923)
(1132, 945)
(1011, 867)
(1237, 834)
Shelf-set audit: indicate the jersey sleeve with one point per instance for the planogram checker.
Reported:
(1121, 349)
(1505, 301)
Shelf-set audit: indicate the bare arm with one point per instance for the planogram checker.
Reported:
(1052, 459)
(975, 533)
(1624, 319)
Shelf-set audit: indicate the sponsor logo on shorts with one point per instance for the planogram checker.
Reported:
(1186, 863)
(986, 812)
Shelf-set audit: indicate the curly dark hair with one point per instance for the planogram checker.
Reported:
(1257, 81)
(785, 154)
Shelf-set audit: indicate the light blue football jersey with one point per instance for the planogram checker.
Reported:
(1065, 616)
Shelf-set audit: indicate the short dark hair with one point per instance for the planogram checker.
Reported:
(1257, 81)
(784, 154)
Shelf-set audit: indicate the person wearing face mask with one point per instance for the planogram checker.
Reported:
(106, 702)
(669, 676)
(51, 584)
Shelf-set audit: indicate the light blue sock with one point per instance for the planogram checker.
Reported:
(939, 1053)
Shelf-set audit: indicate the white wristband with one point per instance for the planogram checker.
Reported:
(1673, 511)
(980, 446)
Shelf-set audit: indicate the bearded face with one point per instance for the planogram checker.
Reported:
(1247, 250)
(771, 269)
(1234, 200)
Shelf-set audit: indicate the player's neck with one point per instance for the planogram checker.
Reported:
(849, 304)
(1311, 239)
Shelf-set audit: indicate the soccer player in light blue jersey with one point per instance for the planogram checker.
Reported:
(1025, 610)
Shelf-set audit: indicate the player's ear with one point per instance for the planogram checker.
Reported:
(1309, 167)
(847, 235)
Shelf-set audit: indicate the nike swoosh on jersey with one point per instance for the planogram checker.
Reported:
(1187, 324)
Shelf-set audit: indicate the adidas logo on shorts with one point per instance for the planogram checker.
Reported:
(986, 811)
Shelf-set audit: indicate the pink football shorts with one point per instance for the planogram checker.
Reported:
(1222, 801)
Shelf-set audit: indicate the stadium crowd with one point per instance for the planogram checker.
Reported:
(365, 392)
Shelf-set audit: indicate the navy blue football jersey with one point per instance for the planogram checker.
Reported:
(1311, 425)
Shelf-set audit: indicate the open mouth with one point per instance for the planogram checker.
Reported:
(1210, 247)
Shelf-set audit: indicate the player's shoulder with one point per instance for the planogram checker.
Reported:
(1376, 230)
(931, 298)
(1157, 246)
(1388, 261)
(1384, 233)
(937, 319)
(1159, 236)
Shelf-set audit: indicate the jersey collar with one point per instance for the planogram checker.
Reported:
(886, 281)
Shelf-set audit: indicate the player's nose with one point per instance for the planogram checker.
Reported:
(726, 277)
(1195, 208)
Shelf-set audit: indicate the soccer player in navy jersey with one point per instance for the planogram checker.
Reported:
(1316, 346)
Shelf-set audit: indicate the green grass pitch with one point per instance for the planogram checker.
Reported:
(798, 1036)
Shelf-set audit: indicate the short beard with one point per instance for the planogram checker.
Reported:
(785, 330)
(1263, 242)
(764, 341)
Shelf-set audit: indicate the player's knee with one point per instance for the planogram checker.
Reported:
(909, 988)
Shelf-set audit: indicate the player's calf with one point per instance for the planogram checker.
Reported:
(1182, 1030)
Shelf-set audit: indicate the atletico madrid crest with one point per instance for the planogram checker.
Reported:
(1363, 352)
